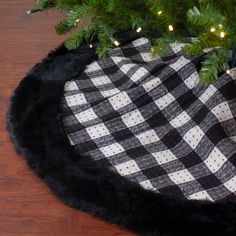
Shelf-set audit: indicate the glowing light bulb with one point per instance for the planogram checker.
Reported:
(222, 34)
(76, 22)
(116, 43)
(170, 27)
(228, 71)
(139, 30)
(159, 13)
(213, 29)
(90, 45)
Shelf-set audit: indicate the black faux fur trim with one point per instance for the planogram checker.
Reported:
(35, 127)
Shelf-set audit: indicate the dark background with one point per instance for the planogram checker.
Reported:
(27, 207)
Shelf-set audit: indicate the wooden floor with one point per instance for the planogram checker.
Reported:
(27, 207)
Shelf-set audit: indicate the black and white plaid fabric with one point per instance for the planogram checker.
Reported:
(149, 120)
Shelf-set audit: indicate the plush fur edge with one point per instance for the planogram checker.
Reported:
(36, 129)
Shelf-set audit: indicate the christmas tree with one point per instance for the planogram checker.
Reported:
(210, 24)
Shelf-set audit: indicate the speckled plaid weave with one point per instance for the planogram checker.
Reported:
(149, 120)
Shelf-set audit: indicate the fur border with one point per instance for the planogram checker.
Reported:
(35, 127)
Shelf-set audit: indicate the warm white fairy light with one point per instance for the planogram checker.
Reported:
(228, 71)
(222, 34)
(90, 45)
(159, 13)
(213, 29)
(220, 26)
(76, 22)
(116, 43)
(170, 27)
(139, 30)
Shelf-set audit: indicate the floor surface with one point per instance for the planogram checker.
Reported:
(27, 207)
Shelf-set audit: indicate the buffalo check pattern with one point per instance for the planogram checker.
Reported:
(149, 120)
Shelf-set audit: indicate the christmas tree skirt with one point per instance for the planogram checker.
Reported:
(131, 138)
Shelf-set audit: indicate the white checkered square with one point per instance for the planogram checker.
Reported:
(112, 150)
(215, 160)
(117, 59)
(177, 47)
(97, 131)
(164, 101)
(147, 57)
(71, 141)
(85, 116)
(151, 84)
(109, 93)
(194, 136)
(101, 80)
(75, 100)
(207, 93)
(233, 138)
(139, 42)
(147, 185)
(182, 176)
(232, 73)
(70, 86)
(192, 81)
(132, 118)
(126, 67)
(120, 100)
(163, 157)
(139, 74)
(180, 120)
(202, 195)
(180, 63)
(127, 168)
(222, 112)
(148, 137)
(231, 184)
(94, 66)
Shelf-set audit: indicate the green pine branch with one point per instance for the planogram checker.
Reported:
(206, 15)
(161, 46)
(203, 41)
(65, 25)
(46, 4)
(211, 23)
(75, 39)
(212, 66)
